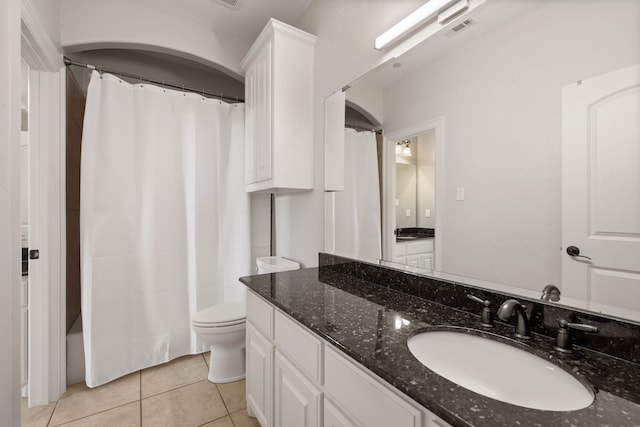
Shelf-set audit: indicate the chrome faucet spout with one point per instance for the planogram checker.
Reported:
(507, 309)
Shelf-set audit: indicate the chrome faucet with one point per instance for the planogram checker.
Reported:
(522, 325)
(550, 293)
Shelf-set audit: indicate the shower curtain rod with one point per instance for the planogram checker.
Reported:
(362, 129)
(68, 62)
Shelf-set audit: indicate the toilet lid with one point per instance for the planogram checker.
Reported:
(221, 315)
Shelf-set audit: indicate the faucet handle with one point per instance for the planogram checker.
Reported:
(486, 318)
(563, 339)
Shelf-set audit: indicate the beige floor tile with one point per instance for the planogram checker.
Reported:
(234, 395)
(38, 416)
(241, 419)
(80, 401)
(122, 416)
(169, 376)
(222, 422)
(192, 405)
(207, 358)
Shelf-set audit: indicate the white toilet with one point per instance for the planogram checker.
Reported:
(223, 328)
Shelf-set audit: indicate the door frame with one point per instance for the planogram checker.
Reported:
(389, 184)
(47, 304)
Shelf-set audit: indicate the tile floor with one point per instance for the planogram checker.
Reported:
(176, 394)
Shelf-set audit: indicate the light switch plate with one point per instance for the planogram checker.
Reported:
(427, 213)
(408, 212)
(460, 193)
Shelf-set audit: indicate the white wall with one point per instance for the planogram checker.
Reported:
(344, 51)
(10, 251)
(501, 100)
(49, 15)
(426, 147)
(173, 70)
(369, 98)
(124, 24)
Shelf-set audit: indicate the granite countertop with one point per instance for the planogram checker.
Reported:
(364, 320)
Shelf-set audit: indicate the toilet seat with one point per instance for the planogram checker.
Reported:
(222, 315)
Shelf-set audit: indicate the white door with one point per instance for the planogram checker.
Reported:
(601, 189)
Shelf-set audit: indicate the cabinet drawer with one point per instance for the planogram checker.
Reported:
(363, 398)
(260, 314)
(301, 346)
(420, 246)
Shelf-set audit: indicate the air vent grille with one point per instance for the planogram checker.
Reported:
(459, 27)
(233, 4)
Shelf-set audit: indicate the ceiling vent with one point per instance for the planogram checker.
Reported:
(232, 4)
(459, 27)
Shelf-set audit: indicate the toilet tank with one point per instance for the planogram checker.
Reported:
(275, 264)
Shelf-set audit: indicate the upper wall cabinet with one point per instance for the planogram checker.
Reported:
(279, 109)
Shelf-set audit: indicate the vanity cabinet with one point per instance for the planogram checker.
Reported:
(333, 417)
(279, 109)
(417, 253)
(259, 354)
(296, 379)
(298, 402)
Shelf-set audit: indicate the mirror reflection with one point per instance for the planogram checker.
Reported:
(535, 105)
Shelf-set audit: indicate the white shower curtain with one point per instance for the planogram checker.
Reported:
(357, 208)
(164, 221)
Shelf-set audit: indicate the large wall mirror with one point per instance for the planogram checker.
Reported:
(530, 109)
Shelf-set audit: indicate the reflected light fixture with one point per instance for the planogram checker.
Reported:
(403, 148)
(423, 13)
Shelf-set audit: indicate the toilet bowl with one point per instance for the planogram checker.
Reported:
(223, 327)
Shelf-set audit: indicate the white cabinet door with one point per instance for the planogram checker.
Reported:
(333, 417)
(298, 403)
(414, 261)
(427, 261)
(258, 114)
(259, 376)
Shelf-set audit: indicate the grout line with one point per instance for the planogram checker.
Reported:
(95, 413)
(140, 401)
(173, 389)
(54, 410)
(222, 398)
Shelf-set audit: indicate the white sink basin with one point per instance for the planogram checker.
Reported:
(499, 371)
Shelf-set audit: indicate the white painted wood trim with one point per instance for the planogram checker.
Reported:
(10, 252)
(438, 125)
(37, 47)
(47, 331)
(47, 364)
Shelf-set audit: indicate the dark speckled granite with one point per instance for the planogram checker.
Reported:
(616, 337)
(358, 316)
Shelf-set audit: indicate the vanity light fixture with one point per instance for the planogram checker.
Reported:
(403, 148)
(423, 13)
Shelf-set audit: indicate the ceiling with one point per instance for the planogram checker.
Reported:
(245, 22)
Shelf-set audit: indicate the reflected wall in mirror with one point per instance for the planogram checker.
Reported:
(527, 82)
(415, 181)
